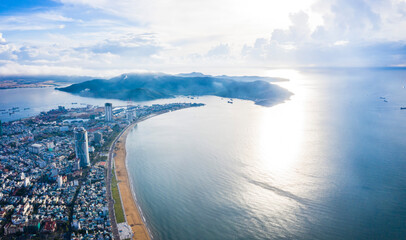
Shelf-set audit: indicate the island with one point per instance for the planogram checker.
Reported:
(152, 86)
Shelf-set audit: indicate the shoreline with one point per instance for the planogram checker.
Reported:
(130, 206)
(132, 211)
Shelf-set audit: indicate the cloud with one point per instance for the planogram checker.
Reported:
(348, 37)
(132, 45)
(297, 32)
(116, 36)
(2, 40)
(219, 50)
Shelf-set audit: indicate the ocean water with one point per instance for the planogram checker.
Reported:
(328, 164)
(37, 100)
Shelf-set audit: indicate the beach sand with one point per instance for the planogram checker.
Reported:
(130, 208)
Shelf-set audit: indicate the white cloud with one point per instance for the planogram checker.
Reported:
(2, 40)
(192, 35)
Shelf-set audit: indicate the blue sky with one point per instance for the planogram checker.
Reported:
(106, 37)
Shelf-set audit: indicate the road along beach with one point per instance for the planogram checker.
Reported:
(131, 212)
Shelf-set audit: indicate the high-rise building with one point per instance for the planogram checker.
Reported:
(81, 147)
(130, 115)
(108, 110)
(59, 181)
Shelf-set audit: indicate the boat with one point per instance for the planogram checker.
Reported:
(231, 102)
(26, 108)
(402, 108)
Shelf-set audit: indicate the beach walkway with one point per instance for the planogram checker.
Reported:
(131, 212)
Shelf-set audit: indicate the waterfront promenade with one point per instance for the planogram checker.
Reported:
(131, 212)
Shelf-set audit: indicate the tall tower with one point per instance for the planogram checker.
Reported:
(108, 110)
(130, 115)
(81, 147)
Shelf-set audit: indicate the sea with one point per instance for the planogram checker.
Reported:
(329, 163)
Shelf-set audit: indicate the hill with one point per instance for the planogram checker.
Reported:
(142, 87)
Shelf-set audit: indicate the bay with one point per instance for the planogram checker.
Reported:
(328, 164)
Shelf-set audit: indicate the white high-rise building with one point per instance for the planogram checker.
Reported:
(81, 147)
(60, 181)
(27, 182)
(108, 110)
(130, 115)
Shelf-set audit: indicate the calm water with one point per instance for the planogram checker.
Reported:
(45, 99)
(329, 164)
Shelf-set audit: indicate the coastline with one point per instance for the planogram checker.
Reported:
(130, 207)
(132, 212)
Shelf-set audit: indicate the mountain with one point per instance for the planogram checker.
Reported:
(148, 86)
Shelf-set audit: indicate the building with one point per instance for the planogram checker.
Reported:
(60, 181)
(81, 147)
(130, 115)
(27, 182)
(108, 110)
(35, 148)
(76, 165)
(98, 138)
(12, 229)
(32, 226)
(50, 226)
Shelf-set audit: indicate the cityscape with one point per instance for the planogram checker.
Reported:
(53, 170)
(202, 120)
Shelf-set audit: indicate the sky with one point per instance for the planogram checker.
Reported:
(105, 38)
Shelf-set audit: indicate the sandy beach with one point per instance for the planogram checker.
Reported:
(130, 208)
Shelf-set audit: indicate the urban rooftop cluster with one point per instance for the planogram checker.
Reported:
(53, 169)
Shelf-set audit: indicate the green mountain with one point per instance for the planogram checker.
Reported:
(142, 87)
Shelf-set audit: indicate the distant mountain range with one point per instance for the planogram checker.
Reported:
(38, 81)
(149, 86)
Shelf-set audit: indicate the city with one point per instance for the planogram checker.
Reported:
(53, 170)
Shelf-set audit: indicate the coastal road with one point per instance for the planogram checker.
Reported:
(108, 183)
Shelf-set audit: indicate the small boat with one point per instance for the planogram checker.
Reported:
(385, 100)
(26, 108)
(402, 108)
(231, 102)
(2, 110)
